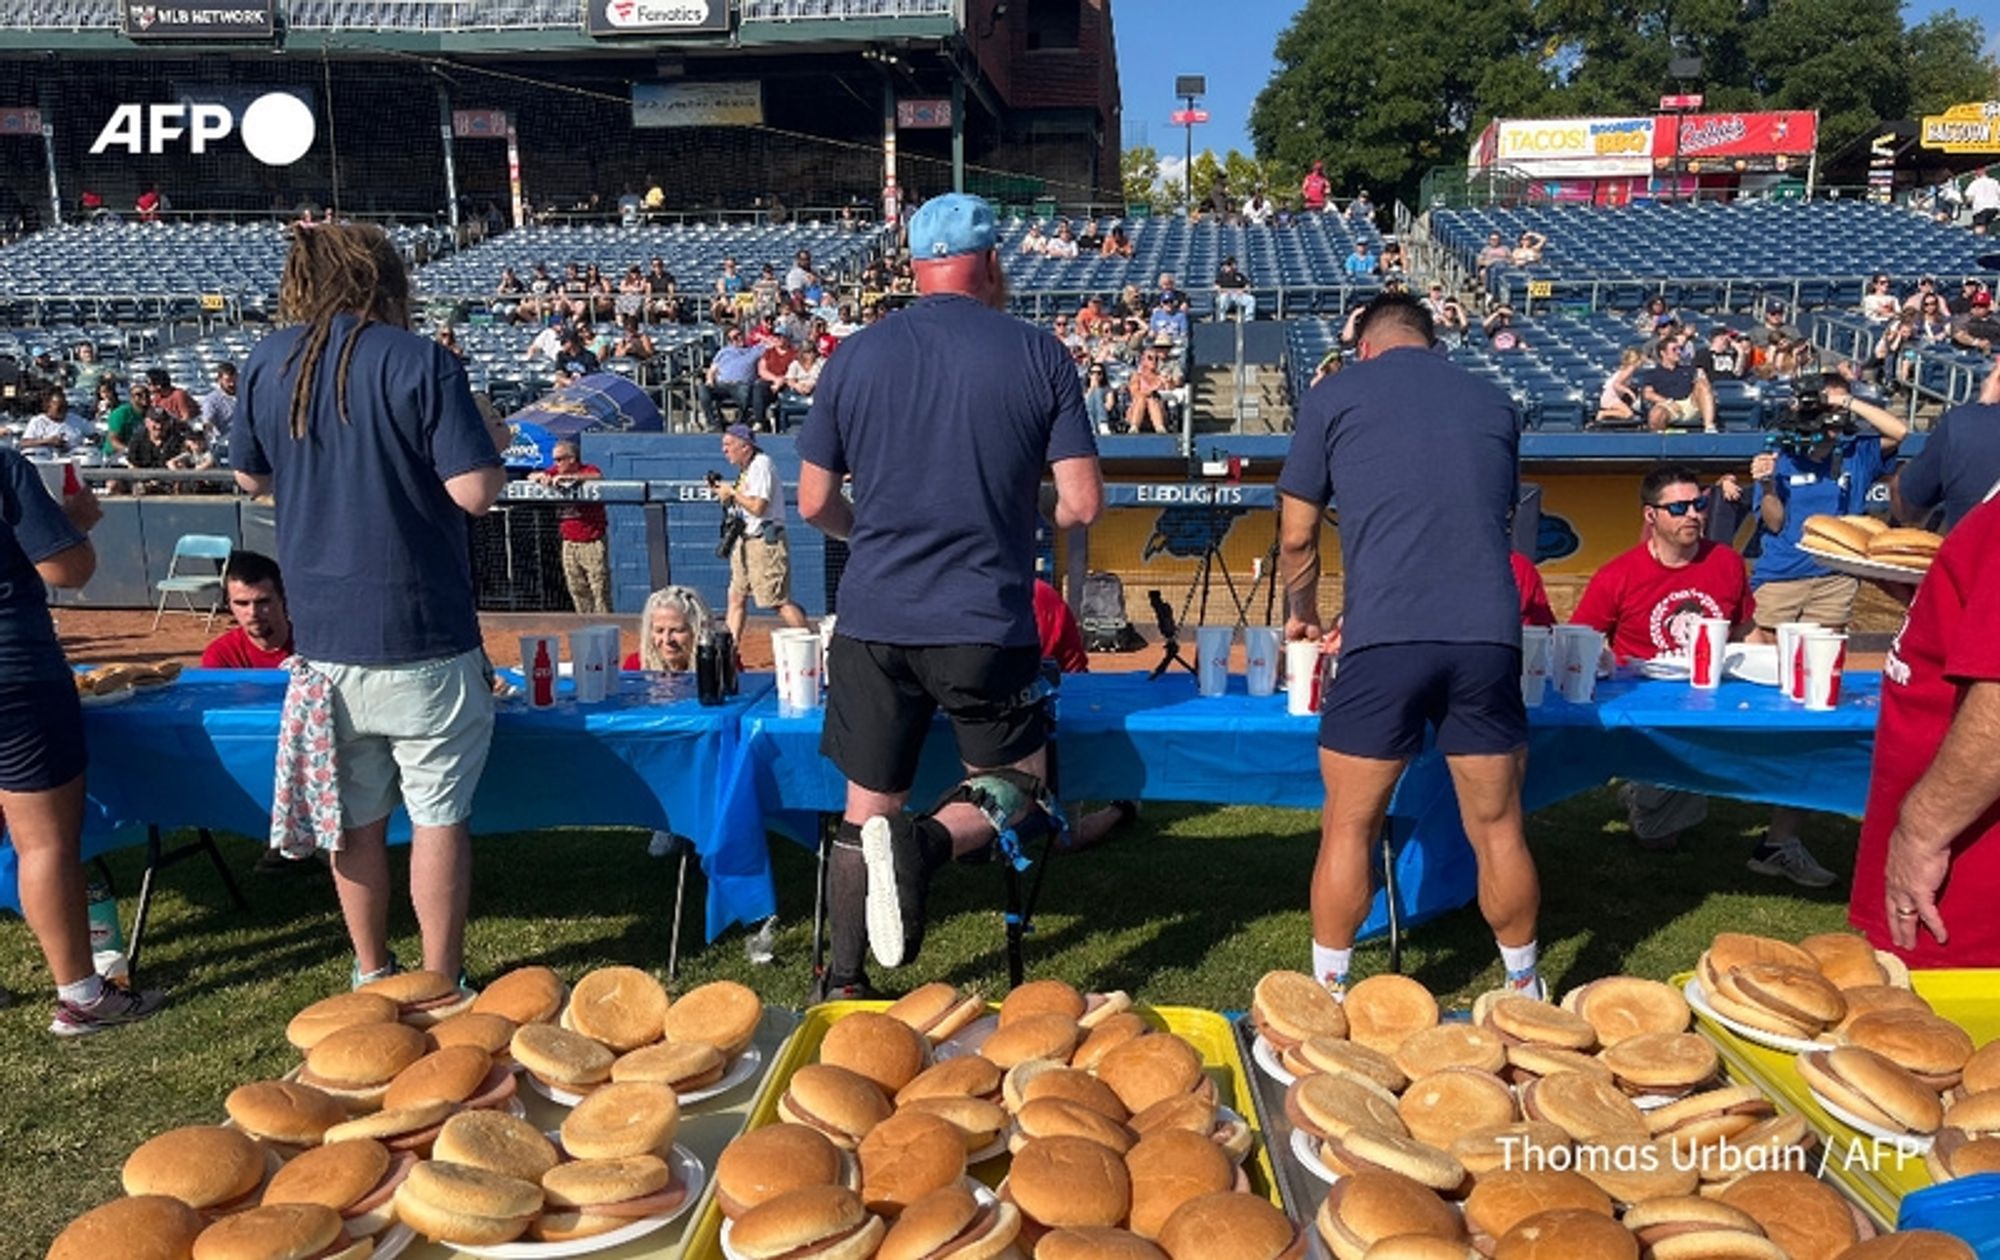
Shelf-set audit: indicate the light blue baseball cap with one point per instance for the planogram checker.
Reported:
(951, 224)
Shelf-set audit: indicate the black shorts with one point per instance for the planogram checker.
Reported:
(1985, 218)
(41, 735)
(1384, 696)
(880, 700)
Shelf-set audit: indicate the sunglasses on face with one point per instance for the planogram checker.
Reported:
(1682, 507)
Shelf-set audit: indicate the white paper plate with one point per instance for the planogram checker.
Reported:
(1914, 1143)
(968, 1040)
(1664, 667)
(393, 1242)
(1305, 1149)
(742, 1069)
(984, 1196)
(1267, 1062)
(688, 1173)
(1856, 566)
(1776, 1041)
(1753, 663)
(992, 1150)
(119, 696)
(1232, 1116)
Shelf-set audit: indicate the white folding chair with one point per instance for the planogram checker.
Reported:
(196, 547)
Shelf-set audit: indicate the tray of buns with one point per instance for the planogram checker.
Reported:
(117, 681)
(993, 1126)
(1868, 547)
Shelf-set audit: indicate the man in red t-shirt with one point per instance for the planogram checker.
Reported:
(1535, 609)
(262, 635)
(1928, 871)
(1646, 602)
(586, 561)
(1062, 642)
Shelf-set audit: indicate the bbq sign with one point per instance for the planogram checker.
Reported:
(1972, 128)
(201, 20)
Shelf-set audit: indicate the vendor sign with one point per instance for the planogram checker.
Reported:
(1969, 128)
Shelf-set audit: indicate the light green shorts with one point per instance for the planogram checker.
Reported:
(415, 733)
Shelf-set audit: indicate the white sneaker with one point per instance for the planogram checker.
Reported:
(1789, 860)
(885, 909)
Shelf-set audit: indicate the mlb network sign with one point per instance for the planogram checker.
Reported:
(203, 19)
(277, 128)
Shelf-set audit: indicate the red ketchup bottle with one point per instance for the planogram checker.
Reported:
(542, 678)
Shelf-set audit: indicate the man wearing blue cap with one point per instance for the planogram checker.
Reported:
(946, 415)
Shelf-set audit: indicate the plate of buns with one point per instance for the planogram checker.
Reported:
(1868, 547)
(113, 682)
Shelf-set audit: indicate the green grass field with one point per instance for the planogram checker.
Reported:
(1188, 907)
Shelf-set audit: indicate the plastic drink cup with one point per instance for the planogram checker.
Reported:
(1711, 641)
(1302, 678)
(1577, 649)
(1537, 642)
(798, 658)
(1211, 646)
(1260, 650)
(1826, 662)
(1791, 658)
(540, 655)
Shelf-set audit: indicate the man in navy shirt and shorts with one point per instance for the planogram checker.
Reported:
(945, 414)
(1421, 460)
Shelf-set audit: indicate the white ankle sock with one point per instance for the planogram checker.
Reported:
(1519, 958)
(1329, 963)
(83, 992)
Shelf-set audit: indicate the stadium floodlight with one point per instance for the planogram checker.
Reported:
(1190, 85)
(1684, 68)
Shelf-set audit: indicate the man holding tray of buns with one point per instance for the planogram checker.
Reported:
(1826, 472)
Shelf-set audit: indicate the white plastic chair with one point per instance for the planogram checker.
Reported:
(212, 547)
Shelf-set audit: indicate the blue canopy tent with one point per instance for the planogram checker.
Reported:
(602, 400)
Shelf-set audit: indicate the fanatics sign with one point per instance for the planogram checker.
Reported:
(655, 17)
(205, 19)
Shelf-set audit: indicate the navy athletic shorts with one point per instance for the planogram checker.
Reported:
(1384, 696)
(881, 698)
(41, 735)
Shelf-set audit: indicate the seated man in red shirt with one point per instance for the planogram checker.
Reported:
(262, 635)
(1062, 642)
(1646, 603)
(1535, 609)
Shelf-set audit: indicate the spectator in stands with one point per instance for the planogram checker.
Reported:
(1092, 318)
(547, 343)
(656, 199)
(631, 293)
(1968, 291)
(163, 442)
(1314, 188)
(1221, 202)
(1501, 335)
(575, 292)
(1130, 304)
(801, 275)
(1090, 242)
(1169, 321)
(1491, 259)
(261, 637)
(1144, 387)
(603, 298)
(1390, 264)
(106, 400)
(1676, 392)
(576, 356)
(1361, 209)
(1618, 403)
(802, 376)
(1654, 317)
(1982, 197)
(150, 204)
(1777, 345)
(630, 206)
(56, 430)
(1447, 313)
(508, 295)
(1527, 250)
(1062, 244)
(448, 338)
(170, 397)
(766, 293)
(1329, 364)
(732, 375)
(1100, 398)
(823, 338)
(85, 369)
(1880, 304)
(541, 301)
(1725, 357)
(1232, 292)
(1359, 264)
(586, 561)
(1934, 323)
(1066, 333)
(780, 352)
(1116, 243)
(1168, 288)
(1926, 289)
(1895, 351)
(1977, 329)
(1257, 208)
(1959, 465)
(125, 420)
(728, 286)
(1034, 240)
(218, 408)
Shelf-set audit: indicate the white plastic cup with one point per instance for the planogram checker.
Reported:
(1260, 651)
(1791, 658)
(826, 649)
(530, 644)
(1303, 678)
(798, 656)
(1577, 649)
(1211, 648)
(1537, 642)
(782, 665)
(594, 651)
(1706, 652)
(1826, 662)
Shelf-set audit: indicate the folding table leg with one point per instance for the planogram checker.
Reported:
(156, 861)
(823, 855)
(153, 864)
(680, 902)
(1390, 895)
(229, 884)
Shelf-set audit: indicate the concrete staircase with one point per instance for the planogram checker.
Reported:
(1264, 406)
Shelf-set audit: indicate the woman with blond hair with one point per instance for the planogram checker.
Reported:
(672, 621)
(1618, 402)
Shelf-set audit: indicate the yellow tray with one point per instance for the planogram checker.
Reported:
(1208, 1032)
(1873, 1175)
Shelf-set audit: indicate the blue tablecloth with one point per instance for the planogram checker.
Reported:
(1123, 735)
(201, 753)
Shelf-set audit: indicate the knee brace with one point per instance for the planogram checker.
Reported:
(1017, 805)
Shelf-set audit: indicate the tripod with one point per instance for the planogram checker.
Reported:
(1212, 561)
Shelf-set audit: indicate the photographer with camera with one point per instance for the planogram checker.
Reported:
(1824, 456)
(760, 558)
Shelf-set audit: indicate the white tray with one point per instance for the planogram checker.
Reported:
(1862, 567)
(741, 1069)
(1776, 1041)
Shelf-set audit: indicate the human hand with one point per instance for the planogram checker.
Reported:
(82, 508)
(1904, 593)
(1915, 871)
(1731, 488)
(1764, 467)
(1302, 630)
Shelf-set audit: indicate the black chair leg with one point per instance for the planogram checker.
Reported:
(824, 856)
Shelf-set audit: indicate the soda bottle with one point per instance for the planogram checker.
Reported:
(725, 653)
(542, 678)
(107, 934)
(708, 667)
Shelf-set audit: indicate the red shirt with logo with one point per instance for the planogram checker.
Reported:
(233, 649)
(1062, 638)
(1535, 609)
(1950, 640)
(579, 520)
(1647, 609)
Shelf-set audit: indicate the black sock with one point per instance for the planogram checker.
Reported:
(934, 844)
(846, 907)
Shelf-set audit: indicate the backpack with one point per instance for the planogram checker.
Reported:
(1106, 628)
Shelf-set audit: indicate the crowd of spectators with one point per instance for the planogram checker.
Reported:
(80, 406)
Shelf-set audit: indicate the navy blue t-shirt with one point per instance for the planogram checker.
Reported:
(946, 413)
(1675, 383)
(32, 528)
(1959, 465)
(1812, 487)
(377, 570)
(1422, 460)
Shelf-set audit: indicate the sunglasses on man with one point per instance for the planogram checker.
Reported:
(1682, 507)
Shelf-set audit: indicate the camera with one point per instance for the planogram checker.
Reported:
(1811, 418)
(732, 533)
(714, 479)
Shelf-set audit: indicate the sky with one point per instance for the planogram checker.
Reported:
(1231, 44)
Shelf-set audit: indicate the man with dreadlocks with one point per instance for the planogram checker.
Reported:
(368, 437)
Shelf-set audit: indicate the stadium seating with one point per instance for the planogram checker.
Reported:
(1945, 373)
(1713, 256)
(807, 10)
(694, 253)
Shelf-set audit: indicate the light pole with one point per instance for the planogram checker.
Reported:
(1190, 88)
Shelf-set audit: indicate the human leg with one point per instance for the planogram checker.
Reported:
(1357, 800)
(1658, 815)
(575, 577)
(597, 565)
(46, 829)
(1483, 734)
(737, 615)
(361, 882)
(441, 891)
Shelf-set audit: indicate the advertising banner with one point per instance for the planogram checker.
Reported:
(479, 124)
(1791, 132)
(1969, 128)
(200, 20)
(655, 17)
(918, 113)
(20, 121)
(1576, 147)
(698, 104)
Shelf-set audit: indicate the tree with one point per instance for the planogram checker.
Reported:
(1140, 167)
(1946, 65)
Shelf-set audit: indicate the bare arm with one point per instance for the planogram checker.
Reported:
(253, 483)
(1962, 783)
(476, 491)
(1882, 420)
(1079, 491)
(821, 503)
(69, 568)
(1298, 565)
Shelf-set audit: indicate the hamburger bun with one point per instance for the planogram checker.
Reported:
(357, 1063)
(1846, 960)
(587, 1197)
(1383, 1010)
(1345, 1058)
(826, 1222)
(967, 1076)
(487, 1032)
(1695, 1228)
(498, 1143)
(905, 1158)
(1079, 1087)
(1977, 1114)
(142, 1227)
(1058, 1117)
(1065, 1182)
(1450, 1045)
(454, 1074)
(1982, 1071)
(525, 995)
(1370, 1150)
(284, 1113)
(329, 1015)
(1521, 1019)
(886, 1051)
(1327, 1106)
(1042, 997)
(621, 1007)
(1170, 1168)
(357, 1179)
(1956, 1153)
(1915, 548)
(1107, 1035)
(1586, 1107)
(1288, 1007)
(452, 1203)
(1230, 1226)
(683, 1066)
(1092, 1243)
(979, 1123)
(1049, 1036)
(1147, 1069)
(281, 1231)
(1802, 1214)
(950, 1222)
(1931, 1048)
(722, 1013)
(842, 1106)
(1836, 535)
(1526, 1062)
(1420, 1247)
(1508, 1146)
(211, 1169)
(1014, 1085)
(1870, 1087)
(1368, 1207)
(1567, 1233)
(1670, 1064)
(1911, 1244)
(1866, 999)
(1635, 1170)
(1779, 996)
(1618, 1007)
(765, 1163)
(1099, 1007)
(621, 1119)
(411, 1128)
(559, 1057)
(936, 1010)
(1505, 1198)
(422, 998)
(1445, 1104)
(1709, 1116)
(1730, 950)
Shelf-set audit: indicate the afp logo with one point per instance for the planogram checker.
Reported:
(277, 128)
